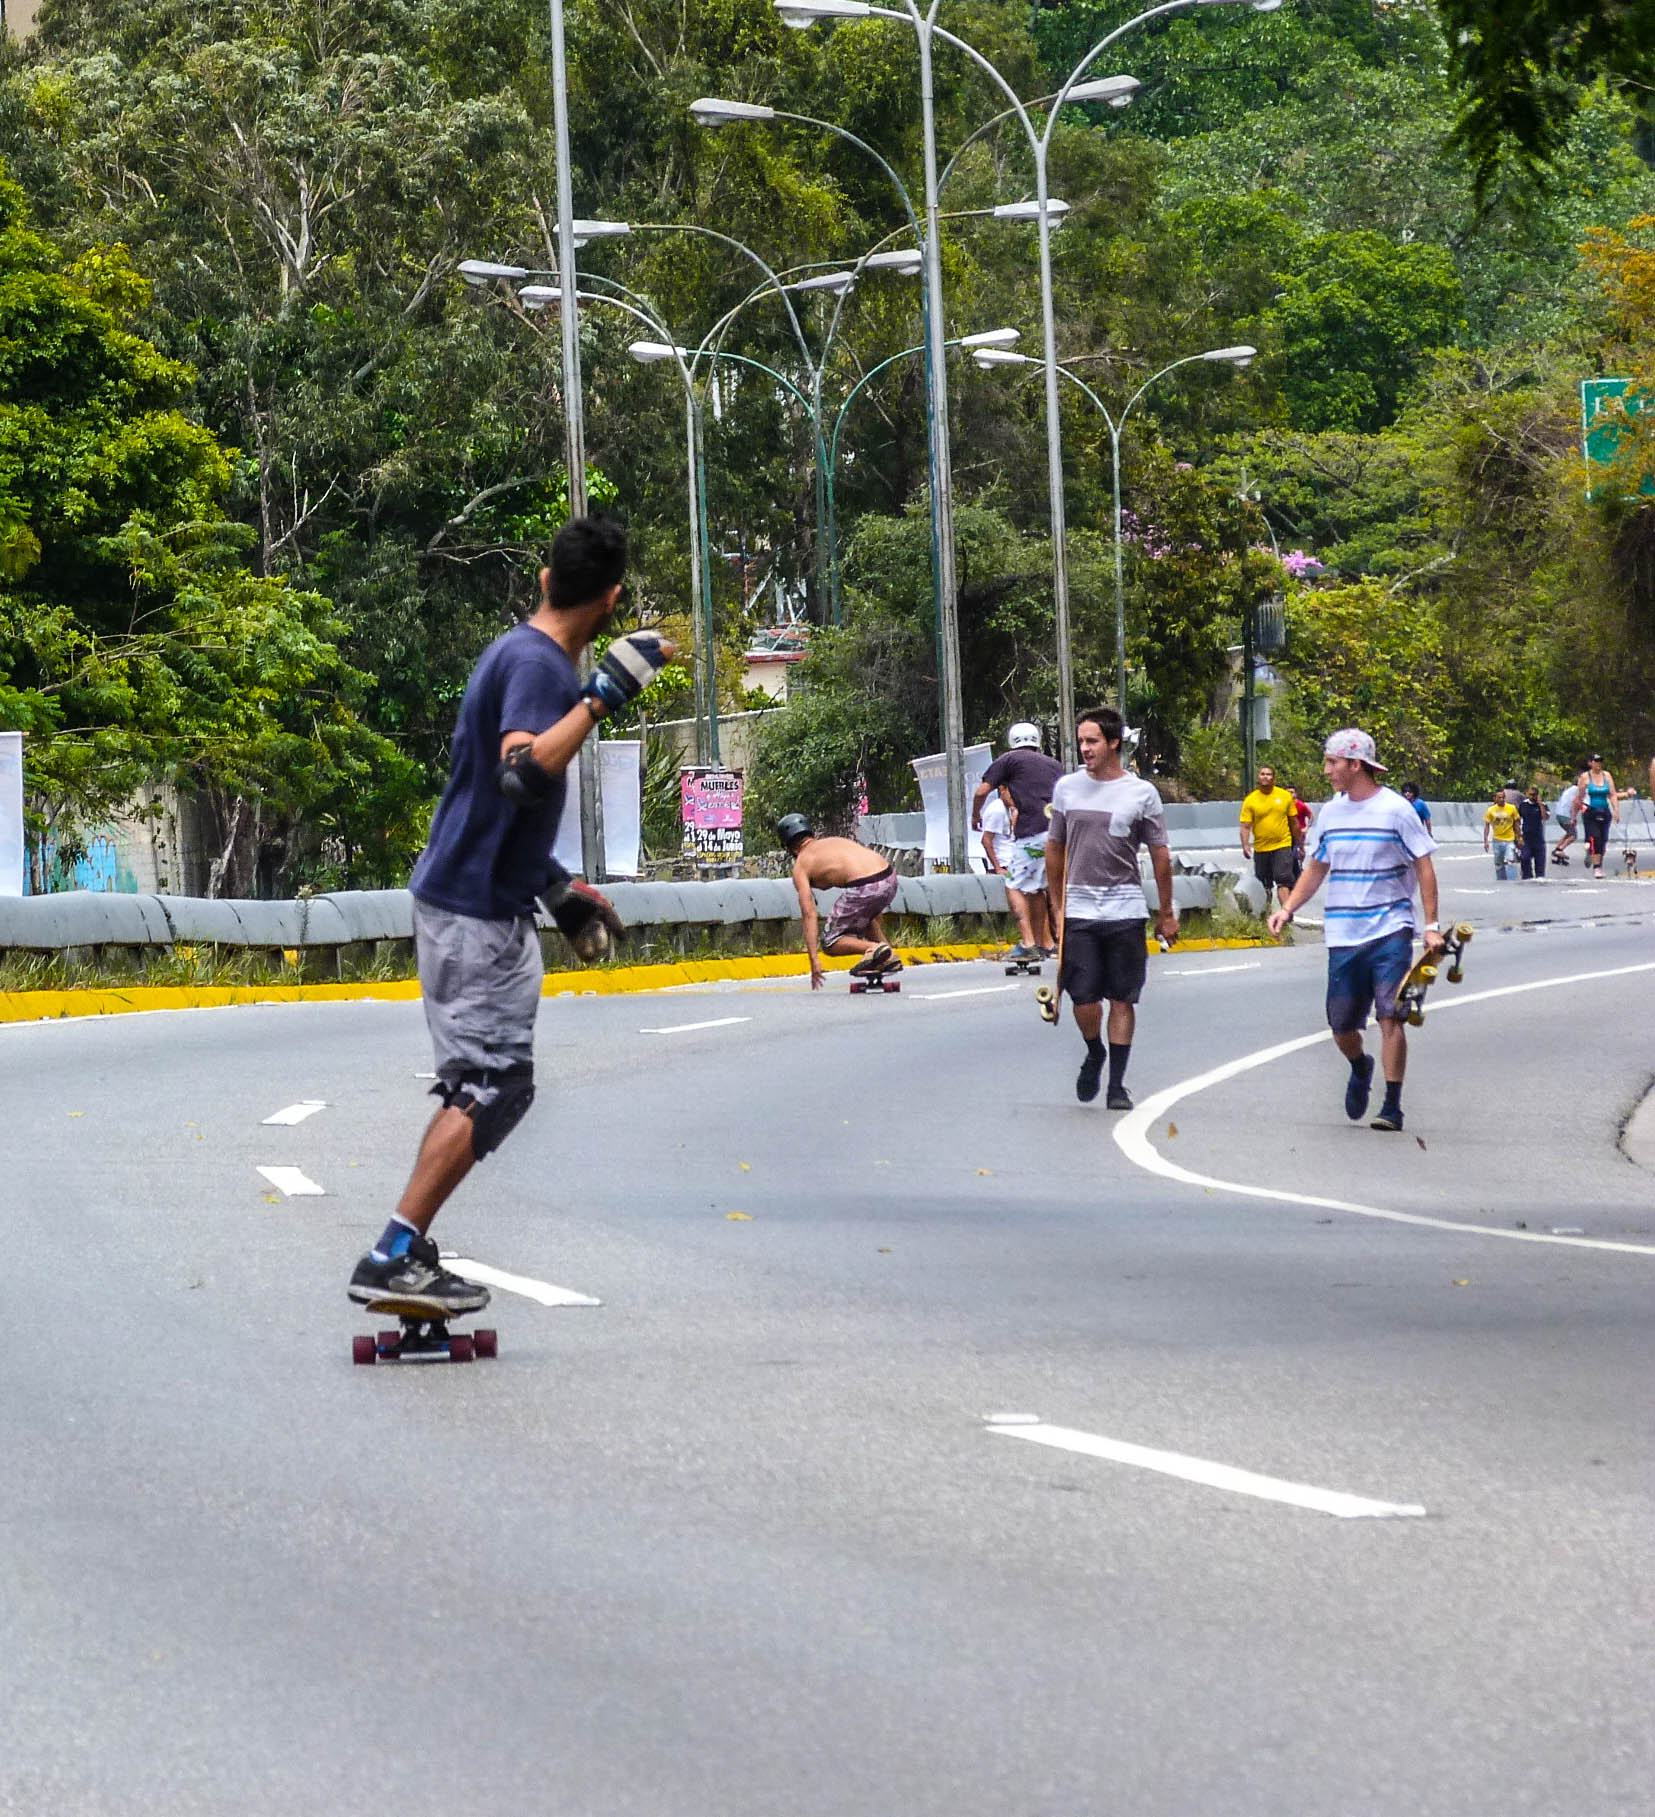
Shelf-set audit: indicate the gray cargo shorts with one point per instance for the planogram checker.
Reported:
(481, 984)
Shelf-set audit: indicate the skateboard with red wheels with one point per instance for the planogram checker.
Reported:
(880, 981)
(421, 1338)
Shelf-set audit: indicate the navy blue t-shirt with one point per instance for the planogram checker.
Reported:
(1030, 776)
(486, 857)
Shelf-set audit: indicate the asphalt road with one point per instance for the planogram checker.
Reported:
(739, 1542)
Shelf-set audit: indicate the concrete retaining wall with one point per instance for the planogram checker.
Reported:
(85, 919)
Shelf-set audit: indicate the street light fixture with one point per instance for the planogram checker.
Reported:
(908, 261)
(1116, 90)
(836, 281)
(1030, 211)
(710, 110)
(485, 271)
(991, 338)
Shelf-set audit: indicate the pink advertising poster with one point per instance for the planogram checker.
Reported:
(712, 812)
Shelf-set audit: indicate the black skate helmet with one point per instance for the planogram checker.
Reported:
(791, 828)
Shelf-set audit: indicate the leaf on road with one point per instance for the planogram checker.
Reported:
(1172, 1129)
(985, 1170)
(1464, 1283)
(739, 1217)
(745, 1166)
(77, 1113)
(1420, 1140)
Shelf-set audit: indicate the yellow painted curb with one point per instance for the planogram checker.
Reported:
(51, 1006)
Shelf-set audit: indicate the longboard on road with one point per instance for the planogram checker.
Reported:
(421, 1338)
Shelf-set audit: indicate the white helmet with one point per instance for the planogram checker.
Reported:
(1023, 736)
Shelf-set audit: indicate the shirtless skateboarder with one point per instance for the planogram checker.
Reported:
(823, 862)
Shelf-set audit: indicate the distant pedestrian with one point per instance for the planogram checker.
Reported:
(1374, 850)
(1100, 818)
(1270, 834)
(1600, 805)
(1028, 776)
(1415, 800)
(1500, 825)
(1531, 836)
(1565, 811)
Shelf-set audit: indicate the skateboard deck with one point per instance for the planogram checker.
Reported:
(1017, 967)
(1410, 999)
(421, 1338)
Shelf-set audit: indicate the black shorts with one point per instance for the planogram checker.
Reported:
(1597, 828)
(1276, 870)
(1104, 961)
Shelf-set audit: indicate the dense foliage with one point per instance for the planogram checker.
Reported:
(275, 195)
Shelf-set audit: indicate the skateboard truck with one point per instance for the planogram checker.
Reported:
(421, 1339)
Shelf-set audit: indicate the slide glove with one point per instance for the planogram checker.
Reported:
(586, 919)
(626, 668)
(520, 779)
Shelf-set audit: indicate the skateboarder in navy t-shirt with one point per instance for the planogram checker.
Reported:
(525, 715)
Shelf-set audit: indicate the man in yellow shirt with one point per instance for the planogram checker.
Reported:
(1270, 834)
(1500, 823)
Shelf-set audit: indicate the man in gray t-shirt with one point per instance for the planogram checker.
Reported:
(1101, 817)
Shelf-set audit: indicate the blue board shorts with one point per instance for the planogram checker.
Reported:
(1366, 977)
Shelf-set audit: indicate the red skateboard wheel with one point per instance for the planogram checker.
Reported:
(364, 1350)
(461, 1350)
(487, 1342)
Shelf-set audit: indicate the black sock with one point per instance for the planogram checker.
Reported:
(1119, 1053)
(1393, 1094)
(1094, 1050)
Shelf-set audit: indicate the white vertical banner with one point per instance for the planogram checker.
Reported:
(566, 848)
(11, 814)
(620, 780)
(932, 775)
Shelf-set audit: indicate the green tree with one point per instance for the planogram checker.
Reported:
(135, 646)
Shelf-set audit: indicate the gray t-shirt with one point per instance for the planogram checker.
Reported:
(1101, 826)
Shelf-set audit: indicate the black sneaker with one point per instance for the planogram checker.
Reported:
(417, 1280)
(1089, 1077)
(1390, 1117)
(1119, 1098)
(1359, 1089)
(879, 960)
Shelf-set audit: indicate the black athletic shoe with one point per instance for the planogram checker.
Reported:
(418, 1278)
(1119, 1099)
(1089, 1077)
(1388, 1118)
(1359, 1089)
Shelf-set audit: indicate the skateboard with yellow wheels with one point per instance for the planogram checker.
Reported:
(1410, 999)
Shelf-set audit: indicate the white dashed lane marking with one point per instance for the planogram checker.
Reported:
(543, 1291)
(294, 1184)
(684, 1028)
(1211, 1475)
(296, 1113)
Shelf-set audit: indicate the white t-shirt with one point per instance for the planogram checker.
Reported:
(997, 824)
(1369, 847)
(1101, 826)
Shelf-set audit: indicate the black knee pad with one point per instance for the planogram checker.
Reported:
(496, 1102)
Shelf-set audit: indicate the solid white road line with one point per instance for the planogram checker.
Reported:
(294, 1184)
(543, 1291)
(1214, 1476)
(1132, 1132)
(980, 990)
(296, 1113)
(1209, 971)
(684, 1028)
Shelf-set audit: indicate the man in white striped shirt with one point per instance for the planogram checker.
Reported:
(1375, 852)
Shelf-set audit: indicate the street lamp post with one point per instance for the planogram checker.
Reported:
(1218, 356)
